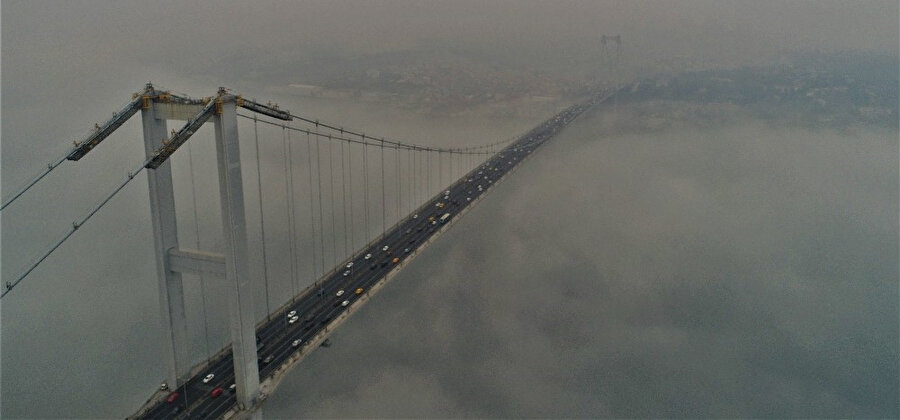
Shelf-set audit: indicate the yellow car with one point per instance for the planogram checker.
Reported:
(359, 291)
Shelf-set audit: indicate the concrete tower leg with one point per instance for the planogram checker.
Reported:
(237, 273)
(165, 237)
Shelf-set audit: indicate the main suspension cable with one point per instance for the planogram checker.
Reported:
(390, 142)
(385, 143)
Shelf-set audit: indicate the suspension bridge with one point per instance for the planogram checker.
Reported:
(352, 249)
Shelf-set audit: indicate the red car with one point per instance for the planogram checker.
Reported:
(172, 397)
(216, 392)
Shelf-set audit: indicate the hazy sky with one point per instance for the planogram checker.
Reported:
(53, 46)
(669, 257)
(97, 52)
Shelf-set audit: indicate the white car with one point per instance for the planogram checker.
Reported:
(340, 293)
(416, 216)
(345, 303)
(384, 248)
(293, 319)
(296, 343)
(468, 198)
(208, 378)
(368, 256)
(291, 314)
(346, 273)
(350, 264)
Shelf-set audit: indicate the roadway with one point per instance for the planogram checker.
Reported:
(277, 338)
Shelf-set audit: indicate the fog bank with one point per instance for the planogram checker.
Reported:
(737, 271)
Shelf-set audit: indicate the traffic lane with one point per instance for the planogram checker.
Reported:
(190, 391)
(214, 407)
(326, 286)
(330, 284)
(195, 389)
(280, 323)
(399, 243)
(200, 391)
(280, 347)
(348, 282)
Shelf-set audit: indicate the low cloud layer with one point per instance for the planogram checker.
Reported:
(741, 271)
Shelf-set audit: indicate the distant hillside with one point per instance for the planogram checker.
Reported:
(815, 89)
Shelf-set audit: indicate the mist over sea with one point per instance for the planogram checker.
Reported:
(739, 270)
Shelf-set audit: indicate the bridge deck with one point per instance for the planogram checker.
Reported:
(319, 308)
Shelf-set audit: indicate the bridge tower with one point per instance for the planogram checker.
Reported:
(171, 260)
(165, 237)
(610, 59)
